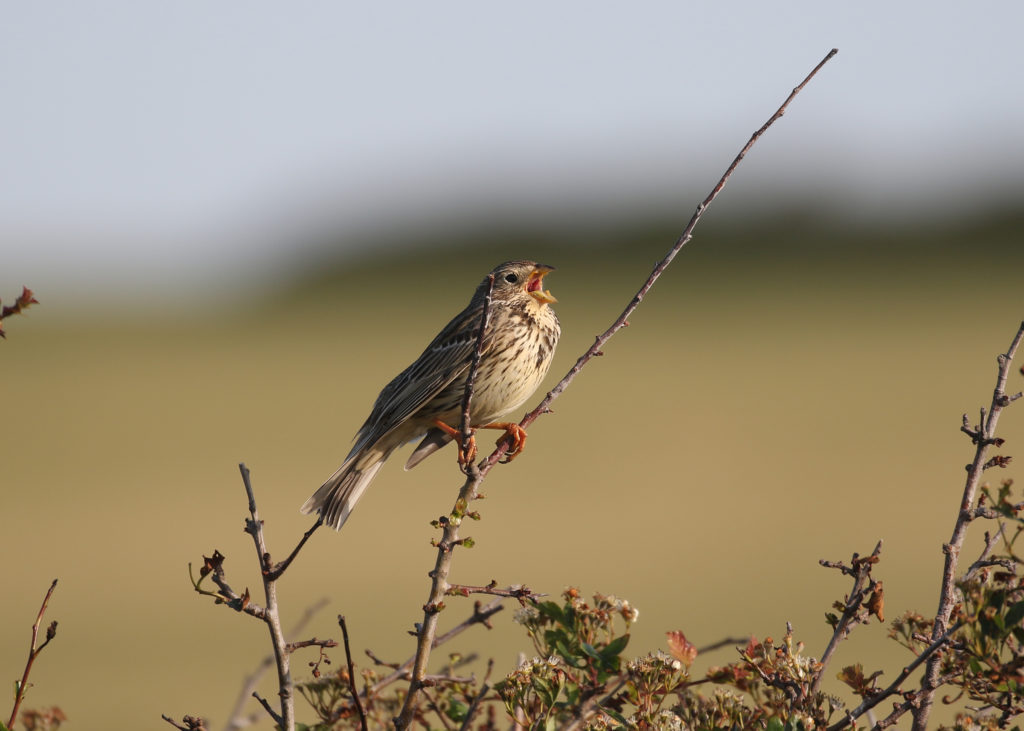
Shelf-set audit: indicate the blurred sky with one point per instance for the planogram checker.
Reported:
(155, 144)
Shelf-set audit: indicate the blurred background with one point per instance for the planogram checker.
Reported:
(241, 220)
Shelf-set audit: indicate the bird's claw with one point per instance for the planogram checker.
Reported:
(468, 454)
(516, 437)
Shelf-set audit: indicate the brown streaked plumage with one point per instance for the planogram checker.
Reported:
(518, 345)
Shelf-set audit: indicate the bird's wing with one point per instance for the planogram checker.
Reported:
(444, 360)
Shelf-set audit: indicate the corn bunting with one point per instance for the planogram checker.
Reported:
(425, 400)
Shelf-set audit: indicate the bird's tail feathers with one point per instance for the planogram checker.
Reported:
(337, 497)
(433, 441)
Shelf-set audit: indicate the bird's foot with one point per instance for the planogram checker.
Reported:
(465, 456)
(515, 434)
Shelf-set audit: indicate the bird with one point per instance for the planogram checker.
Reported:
(425, 400)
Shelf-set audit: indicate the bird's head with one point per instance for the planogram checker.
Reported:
(522, 277)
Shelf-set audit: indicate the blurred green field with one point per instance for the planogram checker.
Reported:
(787, 393)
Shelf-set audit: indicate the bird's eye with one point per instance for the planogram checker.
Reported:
(511, 278)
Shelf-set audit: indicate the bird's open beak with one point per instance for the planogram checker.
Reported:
(534, 285)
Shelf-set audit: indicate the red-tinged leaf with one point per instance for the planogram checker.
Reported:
(876, 602)
(212, 563)
(852, 675)
(680, 648)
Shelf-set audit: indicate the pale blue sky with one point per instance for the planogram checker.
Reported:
(161, 142)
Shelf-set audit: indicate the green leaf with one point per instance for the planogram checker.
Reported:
(615, 715)
(615, 647)
(552, 611)
(543, 690)
(456, 710)
(1015, 615)
(775, 724)
(590, 650)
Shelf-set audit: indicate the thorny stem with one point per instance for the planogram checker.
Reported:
(33, 652)
(475, 474)
(984, 438)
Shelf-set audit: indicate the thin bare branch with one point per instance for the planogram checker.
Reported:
(282, 660)
(894, 687)
(474, 707)
(480, 615)
(188, 723)
(22, 303)
(269, 709)
(449, 537)
(623, 320)
(279, 568)
(293, 646)
(21, 687)
(984, 437)
(726, 642)
(521, 593)
(352, 673)
(465, 427)
(860, 570)
(235, 719)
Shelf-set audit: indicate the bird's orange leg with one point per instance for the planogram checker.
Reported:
(465, 457)
(514, 433)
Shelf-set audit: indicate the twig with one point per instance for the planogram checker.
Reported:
(278, 569)
(432, 704)
(188, 723)
(894, 686)
(983, 438)
(235, 719)
(481, 615)
(475, 705)
(593, 704)
(475, 474)
(293, 646)
(449, 539)
(267, 707)
(684, 238)
(727, 642)
(214, 567)
(465, 426)
(21, 687)
(352, 673)
(522, 593)
(860, 569)
(25, 299)
(286, 692)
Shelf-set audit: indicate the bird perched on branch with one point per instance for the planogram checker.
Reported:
(425, 400)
